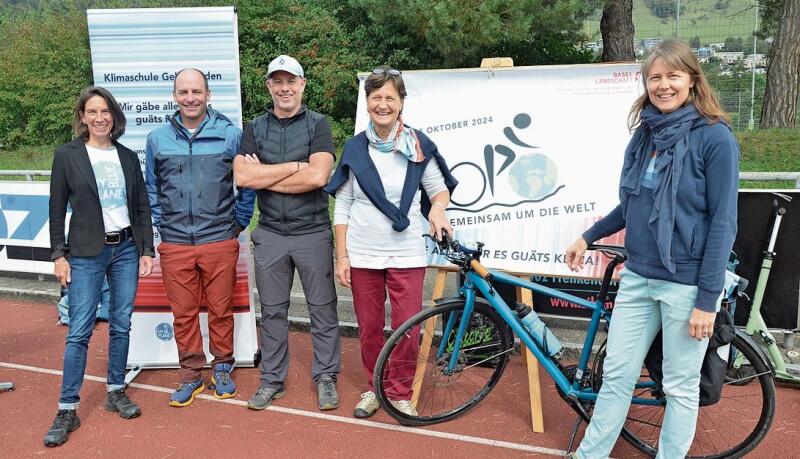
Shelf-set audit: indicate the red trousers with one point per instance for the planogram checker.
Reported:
(195, 274)
(369, 296)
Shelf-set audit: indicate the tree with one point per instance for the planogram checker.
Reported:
(783, 82)
(616, 26)
(420, 34)
(734, 44)
(44, 64)
(664, 9)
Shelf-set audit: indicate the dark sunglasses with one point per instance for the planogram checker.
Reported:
(381, 71)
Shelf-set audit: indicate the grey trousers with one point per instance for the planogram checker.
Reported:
(276, 257)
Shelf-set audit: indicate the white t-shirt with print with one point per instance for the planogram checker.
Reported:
(110, 187)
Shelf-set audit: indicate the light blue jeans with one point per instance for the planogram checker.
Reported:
(120, 264)
(643, 306)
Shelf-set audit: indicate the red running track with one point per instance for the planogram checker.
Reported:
(31, 349)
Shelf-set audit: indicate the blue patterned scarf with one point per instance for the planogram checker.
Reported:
(402, 139)
(668, 134)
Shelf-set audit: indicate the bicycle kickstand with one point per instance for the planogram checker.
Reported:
(574, 433)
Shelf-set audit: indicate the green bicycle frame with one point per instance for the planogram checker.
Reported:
(755, 322)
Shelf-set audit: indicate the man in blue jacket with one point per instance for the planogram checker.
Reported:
(199, 216)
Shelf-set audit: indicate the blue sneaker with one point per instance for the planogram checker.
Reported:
(185, 394)
(224, 387)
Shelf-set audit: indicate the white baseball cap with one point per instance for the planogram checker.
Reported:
(287, 64)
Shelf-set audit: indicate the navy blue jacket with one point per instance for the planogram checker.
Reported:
(705, 218)
(355, 157)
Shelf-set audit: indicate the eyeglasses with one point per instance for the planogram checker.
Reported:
(381, 71)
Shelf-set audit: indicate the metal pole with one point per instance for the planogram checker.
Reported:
(739, 112)
(678, 20)
(752, 123)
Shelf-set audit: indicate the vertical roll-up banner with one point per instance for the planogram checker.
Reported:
(135, 55)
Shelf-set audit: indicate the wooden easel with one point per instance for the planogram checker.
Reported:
(523, 295)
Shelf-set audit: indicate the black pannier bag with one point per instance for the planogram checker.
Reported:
(715, 363)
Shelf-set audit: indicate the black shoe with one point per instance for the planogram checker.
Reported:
(66, 421)
(118, 401)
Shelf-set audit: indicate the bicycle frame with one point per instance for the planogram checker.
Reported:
(474, 282)
(755, 322)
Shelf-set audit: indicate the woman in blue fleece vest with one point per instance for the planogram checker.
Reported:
(677, 194)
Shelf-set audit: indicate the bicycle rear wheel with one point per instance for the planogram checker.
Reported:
(731, 427)
(405, 370)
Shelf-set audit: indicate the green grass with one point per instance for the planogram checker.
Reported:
(698, 18)
(771, 150)
(26, 158)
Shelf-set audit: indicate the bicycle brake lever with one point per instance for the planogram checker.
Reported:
(444, 244)
(785, 197)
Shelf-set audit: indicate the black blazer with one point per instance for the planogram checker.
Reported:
(72, 180)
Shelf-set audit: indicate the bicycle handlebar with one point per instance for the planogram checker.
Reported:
(467, 258)
(785, 197)
(481, 270)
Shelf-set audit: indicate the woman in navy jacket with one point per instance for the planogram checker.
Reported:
(389, 177)
(110, 236)
(678, 198)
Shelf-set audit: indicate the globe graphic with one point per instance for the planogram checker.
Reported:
(533, 176)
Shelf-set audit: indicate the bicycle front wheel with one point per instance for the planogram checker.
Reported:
(729, 428)
(413, 366)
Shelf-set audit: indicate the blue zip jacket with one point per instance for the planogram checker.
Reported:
(705, 218)
(189, 181)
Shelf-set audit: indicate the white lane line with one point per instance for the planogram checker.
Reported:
(327, 417)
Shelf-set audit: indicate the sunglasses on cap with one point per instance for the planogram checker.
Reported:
(380, 71)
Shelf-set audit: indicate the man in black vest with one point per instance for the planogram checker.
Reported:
(287, 154)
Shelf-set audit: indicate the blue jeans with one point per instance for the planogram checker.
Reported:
(643, 306)
(120, 265)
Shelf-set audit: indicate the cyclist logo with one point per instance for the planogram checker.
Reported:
(530, 175)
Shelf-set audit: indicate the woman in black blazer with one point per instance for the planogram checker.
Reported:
(110, 236)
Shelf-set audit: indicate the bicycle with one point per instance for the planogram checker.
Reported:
(756, 327)
(470, 339)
